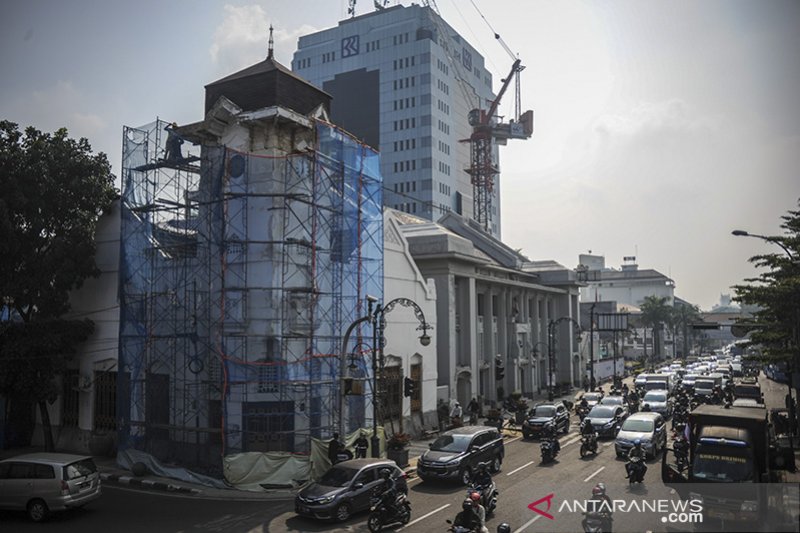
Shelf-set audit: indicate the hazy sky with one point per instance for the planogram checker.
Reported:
(660, 125)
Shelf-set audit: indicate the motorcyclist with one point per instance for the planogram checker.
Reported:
(549, 433)
(361, 446)
(588, 432)
(635, 454)
(472, 515)
(482, 480)
(601, 504)
(646, 408)
(583, 407)
(388, 491)
(625, 392)
(474, 409)
(334, 447)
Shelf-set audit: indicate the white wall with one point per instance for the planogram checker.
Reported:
(402, 279)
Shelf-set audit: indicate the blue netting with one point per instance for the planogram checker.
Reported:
(239, 275)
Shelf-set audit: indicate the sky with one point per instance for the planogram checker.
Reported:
(660, 125)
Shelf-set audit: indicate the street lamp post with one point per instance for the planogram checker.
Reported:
(376, 315)
(551, 326)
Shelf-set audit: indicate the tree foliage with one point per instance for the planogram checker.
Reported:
(655, 313)
(53, 190)
(776, 294)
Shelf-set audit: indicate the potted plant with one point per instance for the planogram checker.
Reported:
(397, 448)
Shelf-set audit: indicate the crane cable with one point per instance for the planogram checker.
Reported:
(496, 35)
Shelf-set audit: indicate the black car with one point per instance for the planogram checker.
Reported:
(346, 489)
(456, 454)
(606, 418)
(543, 414)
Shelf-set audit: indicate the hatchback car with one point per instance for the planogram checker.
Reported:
(346, 488)
(456, 454)
(543, 414)
(649, 428)
(605, 419)
(40, 483)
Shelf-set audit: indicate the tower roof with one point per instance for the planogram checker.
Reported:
(265, 84)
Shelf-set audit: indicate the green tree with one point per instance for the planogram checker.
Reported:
(776, 294)
(655, 313)
(682, 316)
(53, 190)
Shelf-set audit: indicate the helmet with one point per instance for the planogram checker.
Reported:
(475, 497)
(466, 504)
(504, 528)
(637, 442)
(646, 407)
(385, 473)
(599, 489)
(481, 467)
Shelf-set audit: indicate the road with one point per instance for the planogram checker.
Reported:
(523, 480)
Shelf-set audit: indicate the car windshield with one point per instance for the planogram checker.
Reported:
(655, 397)
(545, 411)
(451, 443)
(638, 425)
(601, 411)
(592, 396)
(338, 476)
(611, 400)
(703, 384)
(723, 464)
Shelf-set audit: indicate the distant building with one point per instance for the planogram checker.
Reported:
(394, 86)
(626, 285)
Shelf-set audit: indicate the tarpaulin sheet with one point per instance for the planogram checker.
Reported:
(127, 458)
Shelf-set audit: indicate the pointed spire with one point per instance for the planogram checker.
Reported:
(271, 43)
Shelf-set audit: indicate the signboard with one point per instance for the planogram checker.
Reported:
(350, 46)
(612, 321)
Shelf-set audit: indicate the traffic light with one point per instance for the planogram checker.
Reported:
(409, 387)
(499, 368)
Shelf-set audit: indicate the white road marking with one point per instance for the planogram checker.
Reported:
(596, 472)
(571, 441)
(423, 517)
(520, 468)
(529, 522)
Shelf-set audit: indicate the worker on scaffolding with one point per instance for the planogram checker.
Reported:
(172, 153)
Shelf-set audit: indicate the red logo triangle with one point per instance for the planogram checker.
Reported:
(549, 500)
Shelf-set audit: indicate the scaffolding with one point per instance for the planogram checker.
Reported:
(239, 274)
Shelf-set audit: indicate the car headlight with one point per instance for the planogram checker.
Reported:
(326, 499)
(609, 424)
(749, 506)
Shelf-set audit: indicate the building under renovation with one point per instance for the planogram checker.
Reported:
(250, 241)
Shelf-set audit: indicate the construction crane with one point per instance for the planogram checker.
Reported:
(487, 129)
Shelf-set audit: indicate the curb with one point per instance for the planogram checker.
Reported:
(147, 484)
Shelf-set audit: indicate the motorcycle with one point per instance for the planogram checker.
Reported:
(582, 412)
(488, 496)
(681, 447)
(588, 444)
(549, 449)
(636, 470)
(633, 406)
(381, 514)
(597, 522)
(459, 529)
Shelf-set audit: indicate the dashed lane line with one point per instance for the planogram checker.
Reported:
(423, 517)
(529, 522)
(595, 473)
(520, 468)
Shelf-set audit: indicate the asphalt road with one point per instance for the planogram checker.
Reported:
(522, 481)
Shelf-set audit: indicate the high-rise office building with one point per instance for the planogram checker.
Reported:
(405, 88)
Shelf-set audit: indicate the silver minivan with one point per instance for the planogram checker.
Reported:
(40, 483)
